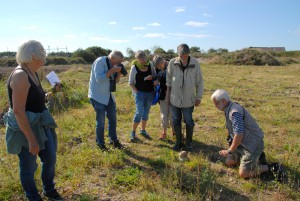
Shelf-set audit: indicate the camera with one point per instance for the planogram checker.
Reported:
(229, 139)
(113, 77)
(113, 82)
(123, 70)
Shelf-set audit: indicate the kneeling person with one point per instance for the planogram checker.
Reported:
(247, 143)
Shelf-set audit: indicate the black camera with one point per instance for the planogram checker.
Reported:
(114, 76)
(123, 70)
(229, 139)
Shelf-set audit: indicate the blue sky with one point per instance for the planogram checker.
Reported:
(138, 24)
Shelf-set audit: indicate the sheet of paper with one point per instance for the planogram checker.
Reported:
(52, 78)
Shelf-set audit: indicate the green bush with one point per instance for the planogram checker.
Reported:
(56, 61)
(77, 60)
(245, 57)
(8, 62)
(67, 96)
(86, 55)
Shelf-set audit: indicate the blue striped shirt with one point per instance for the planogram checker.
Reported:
(237, 123)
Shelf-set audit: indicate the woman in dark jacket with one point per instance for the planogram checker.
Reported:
(161, 70)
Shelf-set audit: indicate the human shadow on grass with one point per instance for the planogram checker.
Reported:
(182, 179)
(188, 182)
(209, 151)
(155, 164)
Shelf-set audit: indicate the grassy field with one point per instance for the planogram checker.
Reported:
(150, 170)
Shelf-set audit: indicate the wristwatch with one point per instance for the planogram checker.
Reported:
(229, 152)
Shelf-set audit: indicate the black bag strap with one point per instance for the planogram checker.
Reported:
(107, 63)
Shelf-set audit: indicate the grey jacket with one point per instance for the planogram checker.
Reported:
(15, 138)
(186, 86)
(253, 135)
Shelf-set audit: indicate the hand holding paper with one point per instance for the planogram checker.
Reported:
(53, 78)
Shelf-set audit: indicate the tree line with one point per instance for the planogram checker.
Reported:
(247, 56)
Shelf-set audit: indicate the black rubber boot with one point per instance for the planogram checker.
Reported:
(178, 132)
(189, 138)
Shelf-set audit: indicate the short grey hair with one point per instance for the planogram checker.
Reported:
(116, 54)
(220, 94)
(183, 49)
(29, 50)
(140, 55)
(157, 60)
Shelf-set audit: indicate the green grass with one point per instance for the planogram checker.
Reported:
(150, 170)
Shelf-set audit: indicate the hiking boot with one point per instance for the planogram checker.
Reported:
(278, 171)
(117, 144)
(132, 136)
(54, 195)
(145, 134)
(103, 148)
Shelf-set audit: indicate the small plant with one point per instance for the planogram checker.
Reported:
(127, 178)
(63, 96)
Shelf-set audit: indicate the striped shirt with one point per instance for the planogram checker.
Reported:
(237, 123)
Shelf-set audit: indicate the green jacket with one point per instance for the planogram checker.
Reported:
(15, 138)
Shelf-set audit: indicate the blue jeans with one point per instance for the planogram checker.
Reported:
(28, 166)
(187, 114)
(111, 114)
(143, 102)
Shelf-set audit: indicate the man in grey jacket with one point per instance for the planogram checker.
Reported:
(184, 91)
(247, 139)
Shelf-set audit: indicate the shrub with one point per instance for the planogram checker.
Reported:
(77, 60)
(56, 61)
(64, 97)
(245, 57)
(8, 62)
(86, 55)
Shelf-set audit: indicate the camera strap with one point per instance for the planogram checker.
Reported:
(108, 63)
(109, 67)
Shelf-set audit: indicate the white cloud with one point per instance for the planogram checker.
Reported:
(30, 27)
(154, 35)
(70, 36)
(196, 24)
(207, 15)
(184, 35)
(179, 10)
(118, 41)
(108, 40)
(112, 23)
(98, 38)
(138, 28)
(155, 24)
